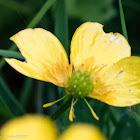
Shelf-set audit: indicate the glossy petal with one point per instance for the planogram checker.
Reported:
(30, 127)
(45, 56)
(89, 40)
(120, 84)
(82, 132)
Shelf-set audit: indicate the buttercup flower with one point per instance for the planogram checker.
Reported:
(101, 65)
(38, 127)
(29, 127)
(82, 132)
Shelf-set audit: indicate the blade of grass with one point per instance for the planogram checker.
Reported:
(61, 27)
(13, 5)
(41, 13)
(25, 91)
(136, 116)
(61, 24)
(10, 99)
(4, 109)
(62, 109)
(61, 32)
(33, 23)
(13, 54)
(124, 30)
(38, 96)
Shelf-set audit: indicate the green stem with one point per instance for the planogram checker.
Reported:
(62, 109)
(124, 30)
(33, 23)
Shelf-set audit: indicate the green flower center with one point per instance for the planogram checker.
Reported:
(80, 84)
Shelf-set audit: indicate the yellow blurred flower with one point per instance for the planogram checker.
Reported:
(29, 127)
(37, 127)
(101, 66)
(82, 132)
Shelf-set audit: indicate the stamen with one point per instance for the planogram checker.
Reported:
(71, 114)
(52, 103)
(92, 111)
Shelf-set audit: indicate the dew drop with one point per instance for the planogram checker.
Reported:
(131, 90)
(82, 78)
(113, 37)
(119, 73)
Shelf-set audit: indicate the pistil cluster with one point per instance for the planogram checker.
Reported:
(80, 83)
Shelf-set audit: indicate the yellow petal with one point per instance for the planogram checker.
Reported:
(120, 84)
(90, 40)
(45, 56)
(82, 132)
(30, 127)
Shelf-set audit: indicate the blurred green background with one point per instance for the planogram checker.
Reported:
(25, 95)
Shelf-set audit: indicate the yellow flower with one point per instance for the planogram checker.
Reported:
(38, 127)
(29, 127)
(101, 66)
(82, 132)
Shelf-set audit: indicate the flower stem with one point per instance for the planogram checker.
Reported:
(124, 30)
(62, 109)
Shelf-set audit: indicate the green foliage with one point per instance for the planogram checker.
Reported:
(9, 54)
(9, 98)
(91, 10)
(4, 109)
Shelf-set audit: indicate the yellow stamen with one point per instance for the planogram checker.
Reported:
(92, 111)
(71, 114)
(52, 103)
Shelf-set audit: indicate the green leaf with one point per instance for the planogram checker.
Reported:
(11, 54)
(91, 10)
